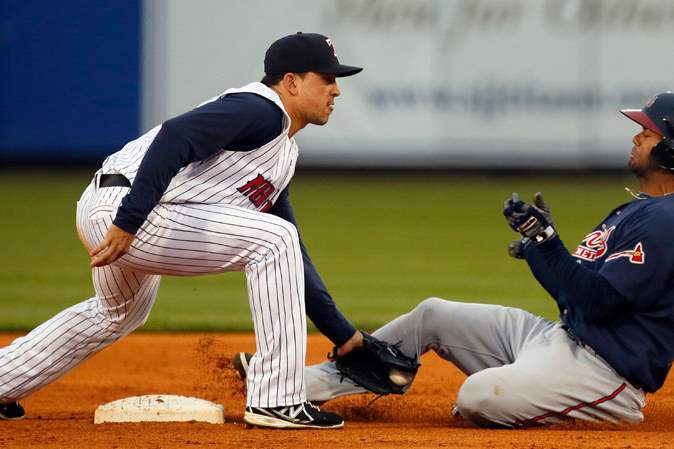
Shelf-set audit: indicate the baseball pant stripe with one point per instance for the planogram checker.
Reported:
(263, 392)
(537, 419)
(282, 361)
(178, 243)
(254, 375)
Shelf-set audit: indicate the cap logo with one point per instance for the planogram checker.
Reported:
(650, 102)
(331, 45)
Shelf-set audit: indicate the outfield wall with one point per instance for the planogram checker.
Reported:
(480, 83)
(69, 78)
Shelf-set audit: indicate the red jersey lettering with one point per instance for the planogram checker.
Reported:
(258, 191)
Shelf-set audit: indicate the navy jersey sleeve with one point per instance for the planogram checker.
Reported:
(641, 264)
(321, 309)
(242, 122)
(542, 272)
(585, 292)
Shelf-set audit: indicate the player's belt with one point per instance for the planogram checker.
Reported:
(573, 337)
(113, 181)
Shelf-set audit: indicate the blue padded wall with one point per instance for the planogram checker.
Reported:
(69, 78)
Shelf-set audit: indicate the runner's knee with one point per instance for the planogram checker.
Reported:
(431, 304)
(483, 399)
(429, 308)
(433, 315)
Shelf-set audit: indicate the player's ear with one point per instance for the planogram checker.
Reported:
(291, 83)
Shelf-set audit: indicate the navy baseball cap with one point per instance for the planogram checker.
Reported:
(305, 52)
(657, 115)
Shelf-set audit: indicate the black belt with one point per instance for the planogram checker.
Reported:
(573, 337)
(113, 181)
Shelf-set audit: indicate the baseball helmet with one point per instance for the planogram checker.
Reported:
(658, 116)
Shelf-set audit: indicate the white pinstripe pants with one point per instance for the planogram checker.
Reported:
(182, 240)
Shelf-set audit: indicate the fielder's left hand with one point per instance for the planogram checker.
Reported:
(356, 341)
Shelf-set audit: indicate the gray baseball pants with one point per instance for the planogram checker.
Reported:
(522, 369)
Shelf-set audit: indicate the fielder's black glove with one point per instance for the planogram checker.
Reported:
(532, 222)
(372, 364)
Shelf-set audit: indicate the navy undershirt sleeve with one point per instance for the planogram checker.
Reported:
(240, 122)
(320, 307)
(542, 273)
(583, 291)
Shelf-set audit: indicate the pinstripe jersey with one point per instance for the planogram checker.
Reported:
(228, 176)
(186, 161)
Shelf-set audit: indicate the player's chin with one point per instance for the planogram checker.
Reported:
(322, 120)
(642, 168)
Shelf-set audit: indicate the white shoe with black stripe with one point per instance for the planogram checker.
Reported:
(301, 416)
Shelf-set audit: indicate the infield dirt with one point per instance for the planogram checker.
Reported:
(61, 415)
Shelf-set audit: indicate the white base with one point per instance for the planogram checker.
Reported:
(160, 408)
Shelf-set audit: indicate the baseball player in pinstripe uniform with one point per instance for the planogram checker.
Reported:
(206, 192)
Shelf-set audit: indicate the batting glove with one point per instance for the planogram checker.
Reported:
(528, 220)
(542, 206)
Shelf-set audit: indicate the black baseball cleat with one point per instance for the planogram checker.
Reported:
(240, 363)
(12, 411)
(302, 416)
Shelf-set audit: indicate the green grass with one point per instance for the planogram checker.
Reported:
(382, 244)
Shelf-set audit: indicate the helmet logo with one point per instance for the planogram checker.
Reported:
(650, 102)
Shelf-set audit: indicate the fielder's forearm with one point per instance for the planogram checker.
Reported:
(321, 308)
